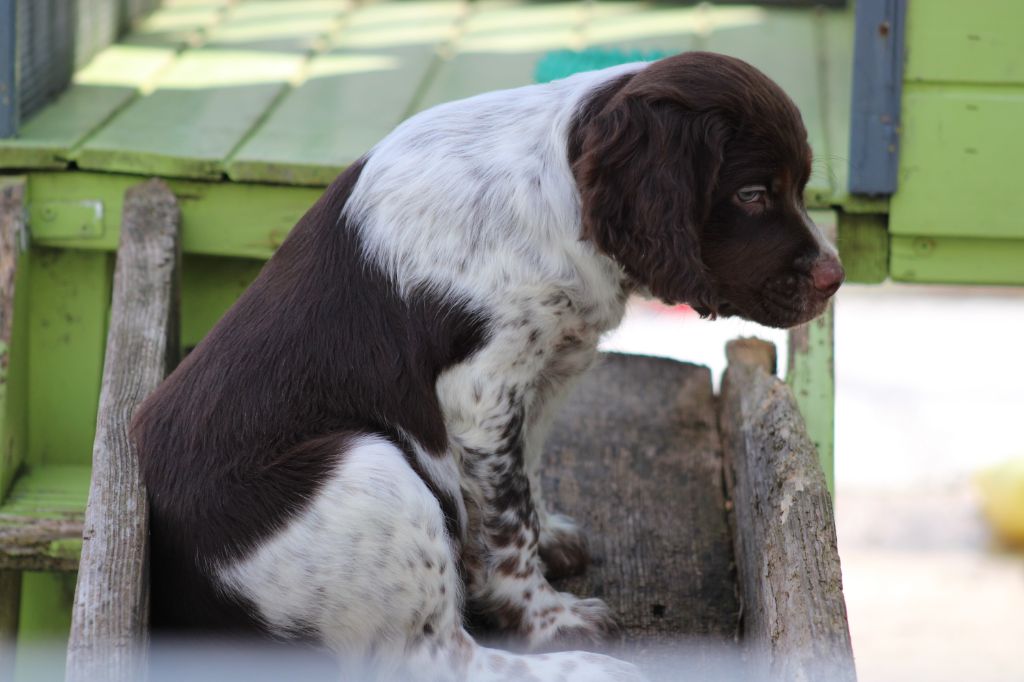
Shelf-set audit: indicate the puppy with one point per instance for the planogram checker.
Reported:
(349, 457)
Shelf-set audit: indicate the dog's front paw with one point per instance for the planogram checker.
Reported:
(571, 623)
(563, 548)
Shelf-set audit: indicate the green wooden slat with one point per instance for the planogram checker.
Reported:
(272, 25)
(500, 45)
(103, 87)
(864, 247)
(48, 492)
(954, 41)
(781, 43)
(960, 162)
(202, 108)
(70, 299)
(835, 55)
(642, 26)
(811, 373)
(209, 100)
(177, 23)
(351, 97)
(954, 260)
(221, 219)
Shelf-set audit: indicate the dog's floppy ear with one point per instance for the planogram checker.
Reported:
(647, 170)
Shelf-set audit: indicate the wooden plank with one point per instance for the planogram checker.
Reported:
(272, 26)
(877, 85)
(206, 103)
(864, 247)
(110, 616)
(811, 371)
(952, 42)
(783, 44)
(499, 46)
(835, 53)
(177, 23)
(12, 238)
(41, 520)
(70, 299)
(10, 609)
(107, 84)
(209, 286)
(635, 458)
(97, 92)
(218, 218)
(352, 96)
(953, 260)
(642, 26)
(959, 163)
(794, 614)
(201, 109)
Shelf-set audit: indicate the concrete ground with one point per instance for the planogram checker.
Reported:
(930, 389)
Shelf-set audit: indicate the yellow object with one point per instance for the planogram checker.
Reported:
(1002, 498)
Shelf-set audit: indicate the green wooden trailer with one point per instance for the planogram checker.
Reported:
(248, 108)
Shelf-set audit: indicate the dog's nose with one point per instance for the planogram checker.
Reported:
(827, 274)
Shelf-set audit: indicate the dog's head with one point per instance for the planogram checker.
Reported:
(691, 174)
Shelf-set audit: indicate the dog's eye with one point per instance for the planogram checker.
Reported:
(751, 194)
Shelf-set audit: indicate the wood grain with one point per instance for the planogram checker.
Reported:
(794, 614)
(635, 458)
(109, 619)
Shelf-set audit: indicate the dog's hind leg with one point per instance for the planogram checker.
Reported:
(368, 569)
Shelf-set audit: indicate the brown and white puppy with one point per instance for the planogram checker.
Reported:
(350, 455)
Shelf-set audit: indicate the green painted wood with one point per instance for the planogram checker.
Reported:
(209, 286)
(210, 99)
(834, 31)
(642, 26)
(954, 41)
(297, 26)
(221, 219)
(864, 247)
(48, 492)
(177, 23)
(954, 260)
(811, 372)
(70, 297)
(98, 91)
(46, 600)
(352, 96)
(201, 109)
(499, 46)
(784, 44)
(959, 163)
(41, 520)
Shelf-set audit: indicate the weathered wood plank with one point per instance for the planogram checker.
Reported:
(794, 615)
(12, 226)
(635, 458)
(111, 599)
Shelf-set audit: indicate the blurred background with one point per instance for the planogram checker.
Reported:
(248, 108)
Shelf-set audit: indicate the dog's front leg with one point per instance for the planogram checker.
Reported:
(490, 412)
